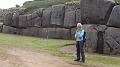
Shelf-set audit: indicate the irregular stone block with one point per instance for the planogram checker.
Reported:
(114, 20)
(96, 11)
(57, 15)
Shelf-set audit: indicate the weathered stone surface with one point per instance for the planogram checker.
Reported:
(78, 16)
(63, 33)
(23, 21)
(91, 37)
(1, 26)
(15, 19)
(72, 6)
(114, 20)
(48, 32)
(37, 22)
(9, 30)
(46, 18)
(36, 19)
(57, 16)
(96, 11)
(69, 20)
(8, 19)
(112, 41)
(29, 20)
(31, 31)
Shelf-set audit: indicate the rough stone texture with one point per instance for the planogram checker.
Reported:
(96, 11)
(37, 18)
(9, 30)
(8, 19)
(72, 6)
(62, 33)
(48, 32)
(57, 16)
(114, 20)
(91, 37)
(46, 18)
(15, 19)
(23, 21)
(112, 41)
(29, 20)
(1, 26)
(31, 31)
(69, 20)
(37, 22)
(78, 16)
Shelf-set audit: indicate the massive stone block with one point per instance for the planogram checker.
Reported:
(1, 26)
(62, 33)
(10, 30)
(29, 20)
(78, 16)
(91, 37)
(15, 19)
(23, 21)
(96, 11)
(114, 20)
(36, 18)
(69, 20)
(37, 22)
(8, 19)
(72, 6)
(112, 41)
(57, 16)
(48, 32)
(30, 31)
(46, 18)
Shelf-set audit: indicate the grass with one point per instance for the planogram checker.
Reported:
(52, 46)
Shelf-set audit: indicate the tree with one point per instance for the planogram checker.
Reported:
(17, 5)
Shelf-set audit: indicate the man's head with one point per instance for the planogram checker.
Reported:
(79, 25)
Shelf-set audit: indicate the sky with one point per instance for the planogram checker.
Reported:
(4, 4)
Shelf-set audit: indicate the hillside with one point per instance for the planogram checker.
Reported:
(44, 3)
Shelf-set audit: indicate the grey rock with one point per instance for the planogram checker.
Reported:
(78, 16)
(48, 32)
(96, 11)
(112, 41)
(1, 26)
(8, 19)
(15, 19)
(30, 31)
(114, 20)
(57, 15)
(62, 33)
(10, 30)
(72, 6)
(91, 37)
(46, 18)
(23, 21)
(29, 20)
(69, 20)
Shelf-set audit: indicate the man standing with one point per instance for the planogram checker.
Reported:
(79, 35)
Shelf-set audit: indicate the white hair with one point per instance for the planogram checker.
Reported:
(79, 25)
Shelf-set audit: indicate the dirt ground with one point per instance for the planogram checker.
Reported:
(26, 58)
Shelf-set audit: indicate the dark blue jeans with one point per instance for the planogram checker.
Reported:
(80, 50)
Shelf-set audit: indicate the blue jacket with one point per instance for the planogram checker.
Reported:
(79, 35)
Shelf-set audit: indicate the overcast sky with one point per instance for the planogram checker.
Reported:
(11, 3)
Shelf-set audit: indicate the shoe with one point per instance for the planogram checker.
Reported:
(76, 60)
